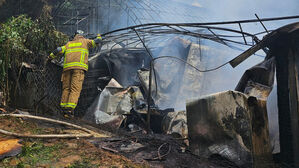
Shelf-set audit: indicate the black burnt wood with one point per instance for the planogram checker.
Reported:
(285, 49)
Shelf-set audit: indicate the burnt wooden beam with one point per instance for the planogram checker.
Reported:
(294, 110)
(287, 89)
(242, 57)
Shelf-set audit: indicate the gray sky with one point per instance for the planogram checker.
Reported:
(245, 9)
(224, 10)
(178, 11)
(230, 10)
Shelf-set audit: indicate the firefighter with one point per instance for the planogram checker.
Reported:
(74, 67)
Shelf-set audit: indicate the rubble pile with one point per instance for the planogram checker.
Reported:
(124, 98)
(230, 124)
(237, 126)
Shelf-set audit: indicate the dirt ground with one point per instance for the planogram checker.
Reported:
(118, 149)
(57, 152)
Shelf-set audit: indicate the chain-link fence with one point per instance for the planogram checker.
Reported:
(39, 87)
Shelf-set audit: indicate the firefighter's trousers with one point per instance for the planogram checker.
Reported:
(72, 81)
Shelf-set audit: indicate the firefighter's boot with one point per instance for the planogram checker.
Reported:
(68, 113)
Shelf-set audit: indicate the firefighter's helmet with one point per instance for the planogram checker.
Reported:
(80, 32)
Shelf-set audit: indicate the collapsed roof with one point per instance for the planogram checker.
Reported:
(180, 59)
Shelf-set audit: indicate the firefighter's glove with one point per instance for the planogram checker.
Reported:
(99, 36)
(98, 41)
(51, 56)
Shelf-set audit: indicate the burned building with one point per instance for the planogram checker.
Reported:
(143, 76)
(175, 78)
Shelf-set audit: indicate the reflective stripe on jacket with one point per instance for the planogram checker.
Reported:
(76, 53)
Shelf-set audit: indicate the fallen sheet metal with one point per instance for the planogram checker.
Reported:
(272, 110)
(10, 147)
(143, 76)
(257, 90)
(229, 124)
(114, 83)
(109, 107)
(175, 123)
(123, 64)
(168, 72)
(258, 80)
(138, 99)
(192, 80)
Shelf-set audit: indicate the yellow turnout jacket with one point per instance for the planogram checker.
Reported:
(76, 53)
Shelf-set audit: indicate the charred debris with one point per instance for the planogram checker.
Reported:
(156, 78)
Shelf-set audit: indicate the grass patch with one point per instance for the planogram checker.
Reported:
(32, 155)
(82, 164)
(38, 153)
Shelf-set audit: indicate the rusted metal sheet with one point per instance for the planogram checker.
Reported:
(109, 107)
(231, 125)
(258, 80)
(261, 145)
(175, 123)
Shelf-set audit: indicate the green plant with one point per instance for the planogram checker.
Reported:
(25, 40)
(33, 154)
(38, 153)
(82, 164)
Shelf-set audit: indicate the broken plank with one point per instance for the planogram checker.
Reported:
(109, 149)
(242, 57)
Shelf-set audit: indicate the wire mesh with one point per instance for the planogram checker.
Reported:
(46, 79)
(176, 77)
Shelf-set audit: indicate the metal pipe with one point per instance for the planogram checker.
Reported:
(261, 22)
(149, 102)
(242, 33)
(148, 120)
(143, 43)
(221, 41)
(208, 23)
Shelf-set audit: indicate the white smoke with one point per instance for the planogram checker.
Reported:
(116, 15)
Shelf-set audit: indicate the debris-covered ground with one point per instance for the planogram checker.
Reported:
(57, 152)
(161, 90)
(123, 149)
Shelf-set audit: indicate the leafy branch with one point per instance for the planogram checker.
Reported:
(25, 40)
